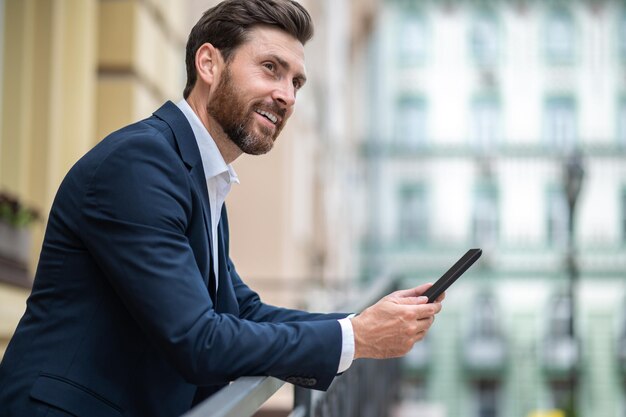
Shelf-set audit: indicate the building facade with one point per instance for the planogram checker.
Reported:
(72, 71)
(477, 110)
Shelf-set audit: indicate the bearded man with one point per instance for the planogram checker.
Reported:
(136, 307)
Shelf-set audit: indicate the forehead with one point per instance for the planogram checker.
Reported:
(268, 40)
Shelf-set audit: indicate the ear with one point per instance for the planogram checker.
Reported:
(208, 63)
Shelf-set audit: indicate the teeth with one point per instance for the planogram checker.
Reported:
(270, 116)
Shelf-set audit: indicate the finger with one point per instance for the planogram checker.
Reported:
(412, 312)
(412, 300)
(420, 310)
(438, 307)
(424, 324)
(426, 310)
(419, 336)
(413, 292)
(441, 297)
(409, 313)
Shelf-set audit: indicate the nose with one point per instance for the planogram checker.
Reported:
(285, 94)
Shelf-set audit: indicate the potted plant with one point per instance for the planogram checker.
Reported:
(15, 238)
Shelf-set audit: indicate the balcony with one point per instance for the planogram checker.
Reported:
(484, 357)
(560, 358)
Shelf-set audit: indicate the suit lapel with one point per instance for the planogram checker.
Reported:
(190, 154)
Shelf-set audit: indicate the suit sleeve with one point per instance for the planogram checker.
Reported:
(136, 209)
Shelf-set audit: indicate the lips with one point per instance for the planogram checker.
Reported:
(271, 111)
(269, 116)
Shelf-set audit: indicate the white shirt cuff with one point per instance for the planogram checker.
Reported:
(347, 341)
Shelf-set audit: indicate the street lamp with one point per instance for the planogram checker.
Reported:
(573, 174)
(562, 351)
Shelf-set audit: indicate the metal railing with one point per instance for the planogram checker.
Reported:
(242, 398)
(368, 388)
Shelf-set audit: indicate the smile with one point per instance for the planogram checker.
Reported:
(272, 118)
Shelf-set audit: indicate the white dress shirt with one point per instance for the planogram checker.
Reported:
(219, 179)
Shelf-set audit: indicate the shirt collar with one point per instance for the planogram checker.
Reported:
(212, 160)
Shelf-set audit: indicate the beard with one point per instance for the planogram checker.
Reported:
(237, 120)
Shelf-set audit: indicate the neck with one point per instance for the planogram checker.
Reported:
(227, 147)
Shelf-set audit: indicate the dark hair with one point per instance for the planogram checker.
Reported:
(226, 26)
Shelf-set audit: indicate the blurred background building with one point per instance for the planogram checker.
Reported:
(487, 116)
(426, 127)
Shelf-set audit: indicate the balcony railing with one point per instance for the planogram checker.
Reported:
(368, 388)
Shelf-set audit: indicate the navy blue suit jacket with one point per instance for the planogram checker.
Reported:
(121, 321)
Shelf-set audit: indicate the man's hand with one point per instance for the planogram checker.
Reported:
(392, 326)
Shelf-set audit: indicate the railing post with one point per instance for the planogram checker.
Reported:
(302, 402)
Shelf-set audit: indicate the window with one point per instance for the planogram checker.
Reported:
(564, 396)
(560, 316)
(563, 349)
(411, 122)
(561, 354)
(485, 215)
(413, 214)
(560, 123)
(621, 355)
(621, 123)
(484, 39)
(484, 349)
(485, 318)
(486, 122)
(621, 350)
(560, 37)
(557, 213)
(623, 213)
(487, 398)
(621, 36)
(412, 38)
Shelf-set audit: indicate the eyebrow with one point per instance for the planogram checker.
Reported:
(301, 77)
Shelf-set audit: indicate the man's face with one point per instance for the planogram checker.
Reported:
(256, 92)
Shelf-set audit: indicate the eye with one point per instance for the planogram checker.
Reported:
(297, 84)
(270, 66)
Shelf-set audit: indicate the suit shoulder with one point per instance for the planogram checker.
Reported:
(149, 135)
(146, 130)
(144, 145)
